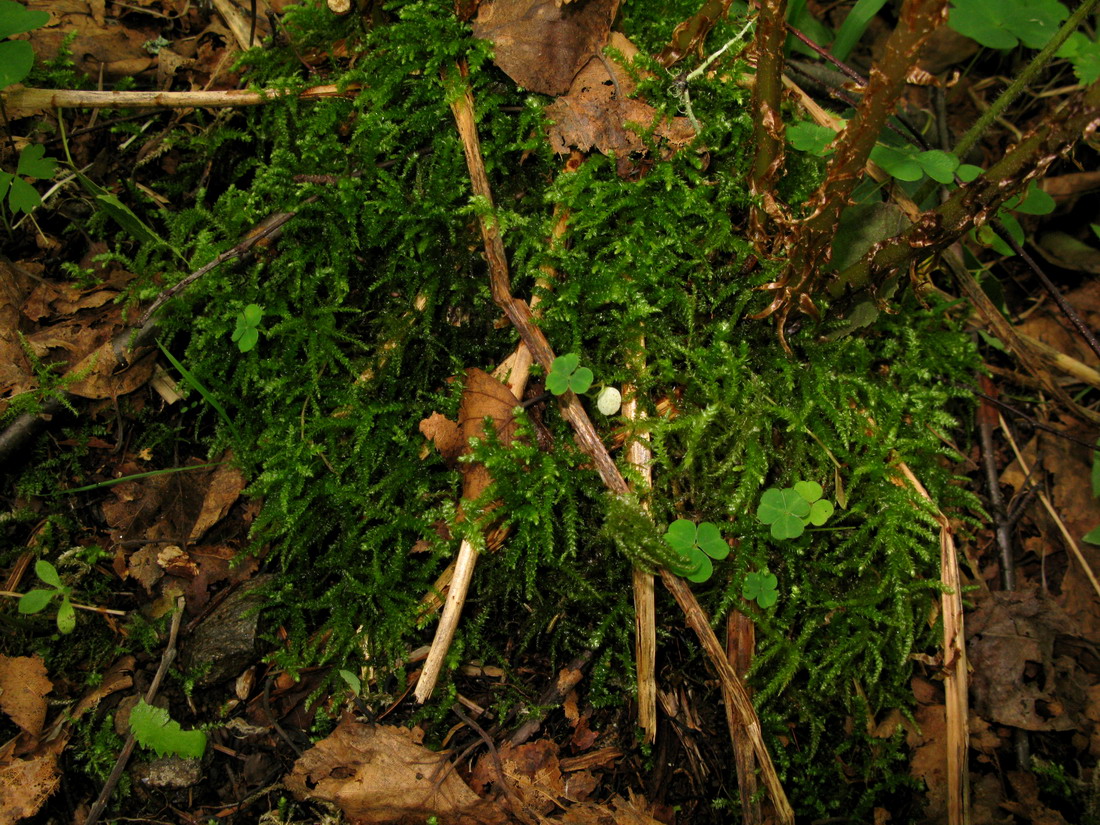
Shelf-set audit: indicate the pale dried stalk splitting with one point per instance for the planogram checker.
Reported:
(738, 713)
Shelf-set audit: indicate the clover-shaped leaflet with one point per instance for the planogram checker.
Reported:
(697, 545)
(761, 588)
(567, 374)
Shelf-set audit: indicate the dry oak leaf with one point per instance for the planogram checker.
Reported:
(226, 484)
(542, 44)
(598, 107)
(23, 688)
(377, 774)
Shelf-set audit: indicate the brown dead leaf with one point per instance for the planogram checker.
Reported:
(224, 489)
(23, 688)
(928, 741)
(99, 45)
(25, 784)
(446, 435)
(15, 369)
(483, 397)
(532, 771)
(376, 774)
(541, 44)
(598, 108)
(1050, 326)
(118, 677)
(1018, 679)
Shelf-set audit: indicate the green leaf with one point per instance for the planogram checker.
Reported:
(776, 503)
(806, 136)
(1096, 471)
(352, 680)
(761, 588)
(767, 598)
(47, 573)
(820, 512)
(1083, 54)
(253, 314)
(1092, 536)
(681, 536)
(66, 616)
(939, 165)
(23, 197)
(968, 172)
(16, 18)
(33, 164)
(710, 541)
(16, 61)
(1035, 202)
(897, 163)
(702, 568)
(248, 338)
(1095, 231)
(557, 383)
(35, 601)
(154, 728)
(809, 490)
(581, 380)
(1001, 24)
(566, 363)
(855, 24)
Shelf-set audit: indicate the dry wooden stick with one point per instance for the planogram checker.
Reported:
(68, 99)
(519, 314)
(955, 670)
(166, 660)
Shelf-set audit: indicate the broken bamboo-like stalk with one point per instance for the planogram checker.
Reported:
(645, 610)
(742, 712)
(955, 677)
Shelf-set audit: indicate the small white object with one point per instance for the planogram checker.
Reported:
(609, 400)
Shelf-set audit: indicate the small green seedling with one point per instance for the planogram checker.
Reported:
(696, 546)
(566, 373)
(247, 333)
(153, 728)
(790, 510)
(352, 681)
(36, 601)
(761, 588)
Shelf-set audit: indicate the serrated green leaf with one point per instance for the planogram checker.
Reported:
(22, 197)
(581, 380)
(66, 616)
(153, 728)
(33, 164)
(35, 601)
(16, 18)
(16, 61)
(47, 573)
(809, 490)
(1083, 54)
(709, 539)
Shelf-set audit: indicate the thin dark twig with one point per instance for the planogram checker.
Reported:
(1067, 310)
(1039, 425)
(166, 660)
(996, 499)
(840, 64)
